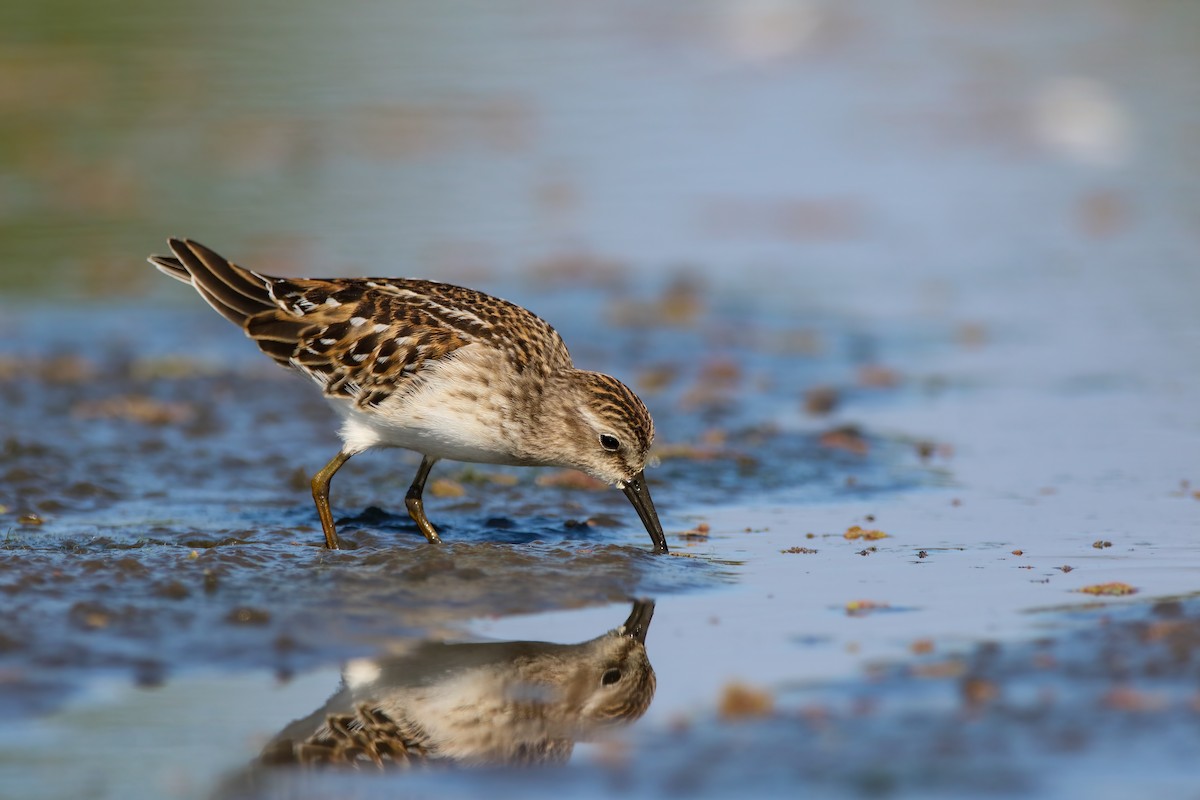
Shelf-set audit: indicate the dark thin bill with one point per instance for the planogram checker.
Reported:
(638, 623)
(639, 494)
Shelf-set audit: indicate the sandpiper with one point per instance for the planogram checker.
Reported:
(477, 704)
(445, 371)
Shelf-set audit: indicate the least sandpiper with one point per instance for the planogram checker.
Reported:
(484, 704)
(442, 370)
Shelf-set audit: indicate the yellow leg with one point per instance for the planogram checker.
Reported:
(320, 491)
(416, 505)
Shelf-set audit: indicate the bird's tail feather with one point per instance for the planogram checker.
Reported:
(236, 293)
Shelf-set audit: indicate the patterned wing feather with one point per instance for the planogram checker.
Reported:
(368, 338)
(353, 339)
(363, 338)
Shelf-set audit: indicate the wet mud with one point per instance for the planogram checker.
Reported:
(164, 522)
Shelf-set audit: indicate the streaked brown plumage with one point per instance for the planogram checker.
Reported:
(443, 370)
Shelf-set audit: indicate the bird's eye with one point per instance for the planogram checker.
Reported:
(610, 677)
(610, 443)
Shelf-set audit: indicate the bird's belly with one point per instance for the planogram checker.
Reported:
(437, 428)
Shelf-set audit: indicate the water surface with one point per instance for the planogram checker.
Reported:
(928, 270)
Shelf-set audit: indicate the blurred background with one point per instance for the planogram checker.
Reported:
(931, 266)
(904, 156)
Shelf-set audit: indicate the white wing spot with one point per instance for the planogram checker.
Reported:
(356, 322)
(329, 301)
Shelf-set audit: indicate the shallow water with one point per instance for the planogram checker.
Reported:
(930, 271)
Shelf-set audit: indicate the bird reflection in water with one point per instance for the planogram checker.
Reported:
(477, 704)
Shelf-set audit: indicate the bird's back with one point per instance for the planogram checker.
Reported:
(365, 339)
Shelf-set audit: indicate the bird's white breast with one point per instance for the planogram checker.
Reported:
(453, 413)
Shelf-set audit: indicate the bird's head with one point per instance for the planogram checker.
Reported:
(609, 433)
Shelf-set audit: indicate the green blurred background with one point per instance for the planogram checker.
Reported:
(896, 149)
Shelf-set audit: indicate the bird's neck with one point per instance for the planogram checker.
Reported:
(554, 418)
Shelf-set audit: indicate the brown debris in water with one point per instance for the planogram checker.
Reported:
(652, 380)
(247, 615)
(800, 550)
(134, 408)
(680, 305)
(876, 376)
(821, 400)
(55, 369)
(858, 532)
(739, 701)
(1112, 589)
(846, 437)
(860, 608)
(711, 445)
(723, 372)
(682, 302)
(1126, 698)
(169, 368)
(445, 487)
(88, 615)
(172, 590)
(979, 692)
(472, 475)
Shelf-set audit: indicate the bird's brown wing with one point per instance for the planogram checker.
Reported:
(364, 339)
